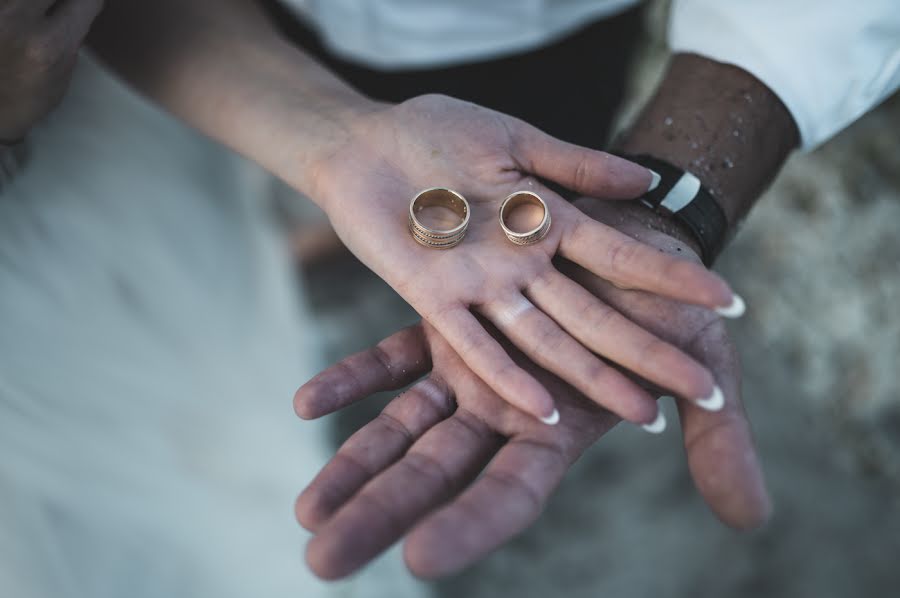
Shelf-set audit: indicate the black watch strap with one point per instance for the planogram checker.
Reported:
(681, 195)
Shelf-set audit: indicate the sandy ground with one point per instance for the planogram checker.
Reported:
(819, 263)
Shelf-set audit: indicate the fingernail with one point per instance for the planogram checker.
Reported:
(657, 425)
(552, 419)
(735, 309)
(714, 402)
(654, 182)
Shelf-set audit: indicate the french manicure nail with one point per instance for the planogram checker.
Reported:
(657, 425)
(552, 419)
(735, 309)
(714, 402)
(654, 182)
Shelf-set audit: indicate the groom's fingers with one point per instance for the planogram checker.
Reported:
(442, 461)
(373, 448)
(719, 445)
(505, 500)
(393, 363)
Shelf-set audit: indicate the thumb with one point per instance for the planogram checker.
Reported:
(586, 171)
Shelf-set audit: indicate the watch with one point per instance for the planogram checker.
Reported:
(681, 196)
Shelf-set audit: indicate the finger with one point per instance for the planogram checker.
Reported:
(447, 457)
(393, 363)
(720, 450)
(628, 263)
(586, 171)
(550, 347)
(487, 359)
(70, 20)
(607, 332)
(505, 500)
(372, 448)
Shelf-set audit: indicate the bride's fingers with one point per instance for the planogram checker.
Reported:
(585, 171)
(552, 348)
(372, 448)
(605, 331)
(506, 499)
(448, 456)
(393, 363)
(628, 263)
(490, 362)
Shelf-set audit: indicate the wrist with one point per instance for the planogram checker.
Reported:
(342, 123)
(303, 116)
(638, 220)
(719, 123)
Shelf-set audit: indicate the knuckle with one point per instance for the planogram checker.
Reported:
(542, 279)
(430, 468)
(578, 232)
(396, 426)
(600, 316)
(546, 340)
(582, 174)
(623, 254)
(597, 372)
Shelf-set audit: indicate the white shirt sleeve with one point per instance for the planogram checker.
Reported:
(829, 61)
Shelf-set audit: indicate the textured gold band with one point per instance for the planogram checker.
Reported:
(528, 237)
(434, 237)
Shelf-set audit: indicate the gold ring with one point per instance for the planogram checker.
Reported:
(522, 198)
(438, 238)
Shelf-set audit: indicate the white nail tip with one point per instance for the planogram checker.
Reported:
(735, 310)
(657, 425)
(714, 402)
(552, 419)
(654, 182)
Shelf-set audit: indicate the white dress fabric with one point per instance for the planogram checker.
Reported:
(151, 339)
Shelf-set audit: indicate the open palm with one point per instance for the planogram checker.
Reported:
(366, 184)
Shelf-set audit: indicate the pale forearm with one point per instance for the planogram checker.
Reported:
(222, 67)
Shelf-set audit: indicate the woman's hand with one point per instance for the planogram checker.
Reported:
(366, 183)
(241, 83)
(39, 42)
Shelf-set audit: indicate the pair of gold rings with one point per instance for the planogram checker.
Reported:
(444, 237)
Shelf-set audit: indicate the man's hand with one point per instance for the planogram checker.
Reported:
(414, 470)
(39, 42)
(719, 446)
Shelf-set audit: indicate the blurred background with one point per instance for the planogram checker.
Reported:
(818, 262)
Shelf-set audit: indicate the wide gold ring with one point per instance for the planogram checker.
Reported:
(438, 238)
(522, 198)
